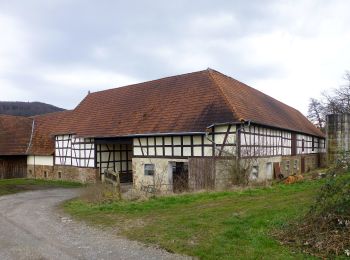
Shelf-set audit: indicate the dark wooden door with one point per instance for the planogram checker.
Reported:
(13, 167)
(180, 177)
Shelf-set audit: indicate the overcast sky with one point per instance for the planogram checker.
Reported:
(56, 51)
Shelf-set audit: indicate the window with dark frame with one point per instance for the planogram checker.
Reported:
(149, 169)
(313, 144)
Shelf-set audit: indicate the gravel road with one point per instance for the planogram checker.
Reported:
(31, 227)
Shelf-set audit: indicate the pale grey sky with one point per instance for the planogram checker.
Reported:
(55, 51)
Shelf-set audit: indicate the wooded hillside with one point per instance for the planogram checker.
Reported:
(26, 108)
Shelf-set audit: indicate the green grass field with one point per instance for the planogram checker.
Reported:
(220, 225)
(9, 186)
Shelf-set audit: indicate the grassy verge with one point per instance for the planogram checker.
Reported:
(220, 225)
(10, 186)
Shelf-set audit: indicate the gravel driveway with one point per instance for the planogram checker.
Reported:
(31, 227)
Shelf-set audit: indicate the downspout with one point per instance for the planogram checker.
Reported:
(30, 144)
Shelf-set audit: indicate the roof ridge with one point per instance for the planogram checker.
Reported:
(234, 112)
(149, 81)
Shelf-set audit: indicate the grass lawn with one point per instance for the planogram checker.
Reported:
(220, 225)
(9, 186)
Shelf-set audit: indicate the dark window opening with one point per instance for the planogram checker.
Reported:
(45, 174)
(60, 175)
(313, 144)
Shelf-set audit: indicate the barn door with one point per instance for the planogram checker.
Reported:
(201, 173)
(13, 167)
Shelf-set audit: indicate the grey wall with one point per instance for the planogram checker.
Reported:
(338, 135)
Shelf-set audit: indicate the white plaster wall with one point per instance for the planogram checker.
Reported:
(40, 160)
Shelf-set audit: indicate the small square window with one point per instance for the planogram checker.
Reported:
(45, 174)
(149, 169)
(60, 175)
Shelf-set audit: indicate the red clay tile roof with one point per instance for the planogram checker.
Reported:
(250, 104)
(184, 103)
(45, 128)
(15, 132)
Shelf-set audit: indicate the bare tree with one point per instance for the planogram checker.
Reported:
(332, 102)
(316, 113)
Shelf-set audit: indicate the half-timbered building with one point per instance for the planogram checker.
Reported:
(174, 131)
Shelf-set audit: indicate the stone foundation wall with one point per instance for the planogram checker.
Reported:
(289, 165)
(223, 171)
(69, 173)
(162, 176)
(292, 164)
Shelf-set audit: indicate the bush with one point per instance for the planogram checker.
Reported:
(325, 230)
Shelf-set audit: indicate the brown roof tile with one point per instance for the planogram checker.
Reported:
(184, 103)
(251, 104)
(15, 132)
(45, 128)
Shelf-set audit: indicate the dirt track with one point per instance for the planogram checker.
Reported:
(31, 227)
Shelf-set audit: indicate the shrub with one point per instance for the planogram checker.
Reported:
(325, 230)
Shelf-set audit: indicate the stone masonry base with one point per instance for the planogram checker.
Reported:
(69, 173)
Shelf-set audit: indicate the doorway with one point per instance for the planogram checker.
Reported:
(180, 176)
